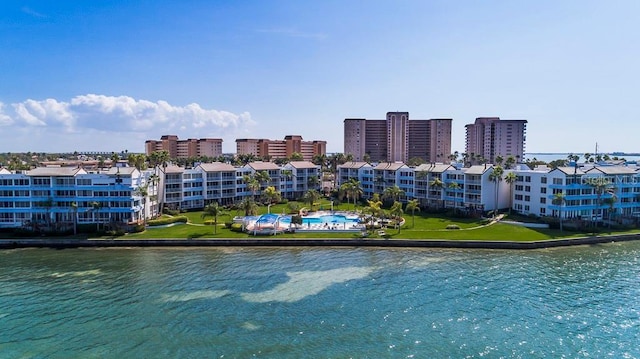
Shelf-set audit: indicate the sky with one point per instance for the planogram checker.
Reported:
(108, 75)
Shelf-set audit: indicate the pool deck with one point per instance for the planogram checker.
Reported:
(59, 243)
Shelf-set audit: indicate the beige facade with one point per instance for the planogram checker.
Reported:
(490, 137)
(281, 148)
(397, 138)
(210, 147)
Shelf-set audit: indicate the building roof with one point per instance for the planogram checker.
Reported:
(124, 171)
(263, 166)
(174, 169)
(216, 167)
(477, 169)
(389, 166)
(303, 164)
(55, 171)
(569, 170)
(354, 165)
(4, 171)
(613, 170)
(433, 167)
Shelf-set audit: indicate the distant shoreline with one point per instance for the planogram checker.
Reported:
(53, 243)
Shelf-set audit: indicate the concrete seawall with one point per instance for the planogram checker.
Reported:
(57, 243)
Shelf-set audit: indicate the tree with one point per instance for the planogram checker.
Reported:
(311, 196)
(499, 159)
(510, 179)
(559, 200)
(496, 177)
(249, 207)
(437, 184)
(312, 182)
(508, 164)
(95, 207)
(114, 159)
(412, 206)
(213, 210)
(143, 192)
(74, 209)
(296, 156)
(397, 212)
(353, 190)
(601, 185)
(271, 195)
(252, 184)
(394, 193)
(610, 201)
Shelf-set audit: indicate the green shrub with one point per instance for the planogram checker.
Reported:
(137, 228)
(228, 224)
(164, 221)
(236, 227)
(453, 226)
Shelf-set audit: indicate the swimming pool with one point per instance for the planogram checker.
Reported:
(329, 218)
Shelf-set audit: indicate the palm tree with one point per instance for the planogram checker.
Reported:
(353, 189)
(611, 201)
(143, 192)
(397, 212)
(74, 209)
(271, 195)
(311, 196)
(312, 182)
(496, 177)
(249, 207)
(499, 159)
(601, 185)
(394, 192)
(154, 179)
(437, 184)
(252, 184)
(510, 179)
(213, 210)
(262, 177)
(412, 206)
(95, 207)
(559, 200)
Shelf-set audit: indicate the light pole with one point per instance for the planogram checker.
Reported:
(331, 206)
(269, 208)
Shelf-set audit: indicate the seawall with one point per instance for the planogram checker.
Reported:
(57, 243)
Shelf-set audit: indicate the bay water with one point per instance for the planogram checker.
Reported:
(578, 302)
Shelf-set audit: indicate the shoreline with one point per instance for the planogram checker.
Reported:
(58, 243)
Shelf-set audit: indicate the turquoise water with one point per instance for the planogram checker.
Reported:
(329, 218)
(320, 303)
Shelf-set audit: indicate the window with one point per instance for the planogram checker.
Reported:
(543, 200)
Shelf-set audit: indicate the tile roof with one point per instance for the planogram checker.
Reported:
(353, 165)
(55, 171)
(263, 166)
(389, 166)
(477, 170)
(303, 164)
(613, 170)
(216, 167)
(433, 167)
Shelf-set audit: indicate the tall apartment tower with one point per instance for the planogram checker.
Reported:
(211, 147)
(490, 137)
(281, 148)
(397, 138)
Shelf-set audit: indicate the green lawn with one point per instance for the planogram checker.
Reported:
(427, 226)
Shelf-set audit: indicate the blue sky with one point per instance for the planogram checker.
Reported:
(106, 75)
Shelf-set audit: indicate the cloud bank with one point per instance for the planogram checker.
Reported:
(124, 119)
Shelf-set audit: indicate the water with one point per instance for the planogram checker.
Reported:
(548, 157)
(321, 303)
(329, 218)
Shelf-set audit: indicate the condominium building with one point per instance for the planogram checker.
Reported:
(281, 148)
(490, 137)
(209, 147)
(397, 138)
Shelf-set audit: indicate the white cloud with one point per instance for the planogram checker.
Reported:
(122, 116)
(5, 120)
